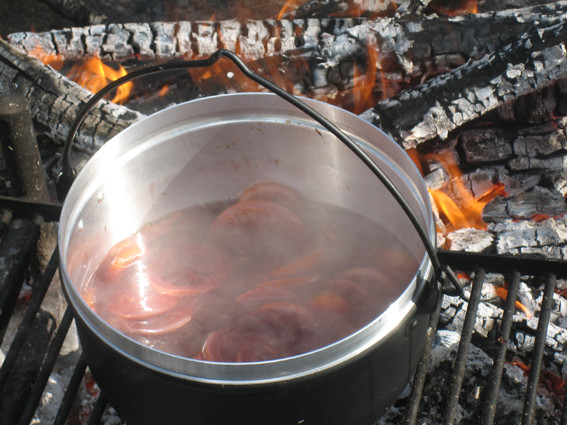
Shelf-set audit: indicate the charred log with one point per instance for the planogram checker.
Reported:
(444, 103)
(75, 10)
(252, 39)
(55, 100)
(408, 51)
(343, 8)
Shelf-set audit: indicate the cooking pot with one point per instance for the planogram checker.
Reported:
(213, 148)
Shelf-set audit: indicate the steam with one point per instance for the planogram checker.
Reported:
(265, 276)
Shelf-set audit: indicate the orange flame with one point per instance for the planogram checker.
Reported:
(164, 90)
(94, 75)
(463, 7)
(288, 7)
(503, 293)
(91, 74)
(467, 211)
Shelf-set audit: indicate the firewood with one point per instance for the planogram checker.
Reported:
(342, 8)
(444, 103)
(253, 39)
(530, 237)
(471, 240)
(76, 10)
(408, 51)
(55, 100)
(538, 202)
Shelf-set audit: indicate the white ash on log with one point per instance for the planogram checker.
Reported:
(548, 237)
(55, 100)
(471, 240)
(441, 105)
(159, 40)
(408, 50)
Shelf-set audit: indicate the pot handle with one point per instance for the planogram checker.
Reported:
(444, 274)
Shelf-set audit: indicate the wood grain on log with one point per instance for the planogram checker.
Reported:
(55, 100)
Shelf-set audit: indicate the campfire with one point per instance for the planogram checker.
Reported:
(474, 91)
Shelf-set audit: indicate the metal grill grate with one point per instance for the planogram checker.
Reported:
(513, 267)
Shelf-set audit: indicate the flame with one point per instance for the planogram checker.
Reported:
(94, 75)
(462, 7)
(463, 210)
(503, 293)
(52, 59)
(289, 6)
(91, 74)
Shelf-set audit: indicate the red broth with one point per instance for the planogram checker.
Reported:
(268, 275)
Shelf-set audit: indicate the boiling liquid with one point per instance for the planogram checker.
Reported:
(250, 279)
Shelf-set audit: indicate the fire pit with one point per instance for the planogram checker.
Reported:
(489, 104)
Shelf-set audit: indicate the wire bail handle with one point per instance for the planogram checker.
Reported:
(443, 273)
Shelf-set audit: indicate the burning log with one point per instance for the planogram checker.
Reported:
(324, 8)
(55, 100)
(441, 105)
(159, 40)
(388, 54)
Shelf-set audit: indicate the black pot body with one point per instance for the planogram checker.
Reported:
(356, 392)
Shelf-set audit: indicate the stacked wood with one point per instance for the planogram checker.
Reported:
(55, 100)
(167, 40)
(441, 105)
(460, 51)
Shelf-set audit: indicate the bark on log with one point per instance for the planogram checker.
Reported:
(448, 101)
(55, 100)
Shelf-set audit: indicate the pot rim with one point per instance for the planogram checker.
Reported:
(269, 371)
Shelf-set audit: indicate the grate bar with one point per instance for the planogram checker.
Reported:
(98, 411)
(50, 359)
(410, 416)
(16, 249)
(71, 391)
(564, 412)
(27, 321)
(526, 264)
(491, 395)
(452, 399)
(537, 354)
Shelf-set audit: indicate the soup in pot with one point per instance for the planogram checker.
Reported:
(267, 275)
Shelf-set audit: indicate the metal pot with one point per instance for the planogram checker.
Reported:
(210, 149)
